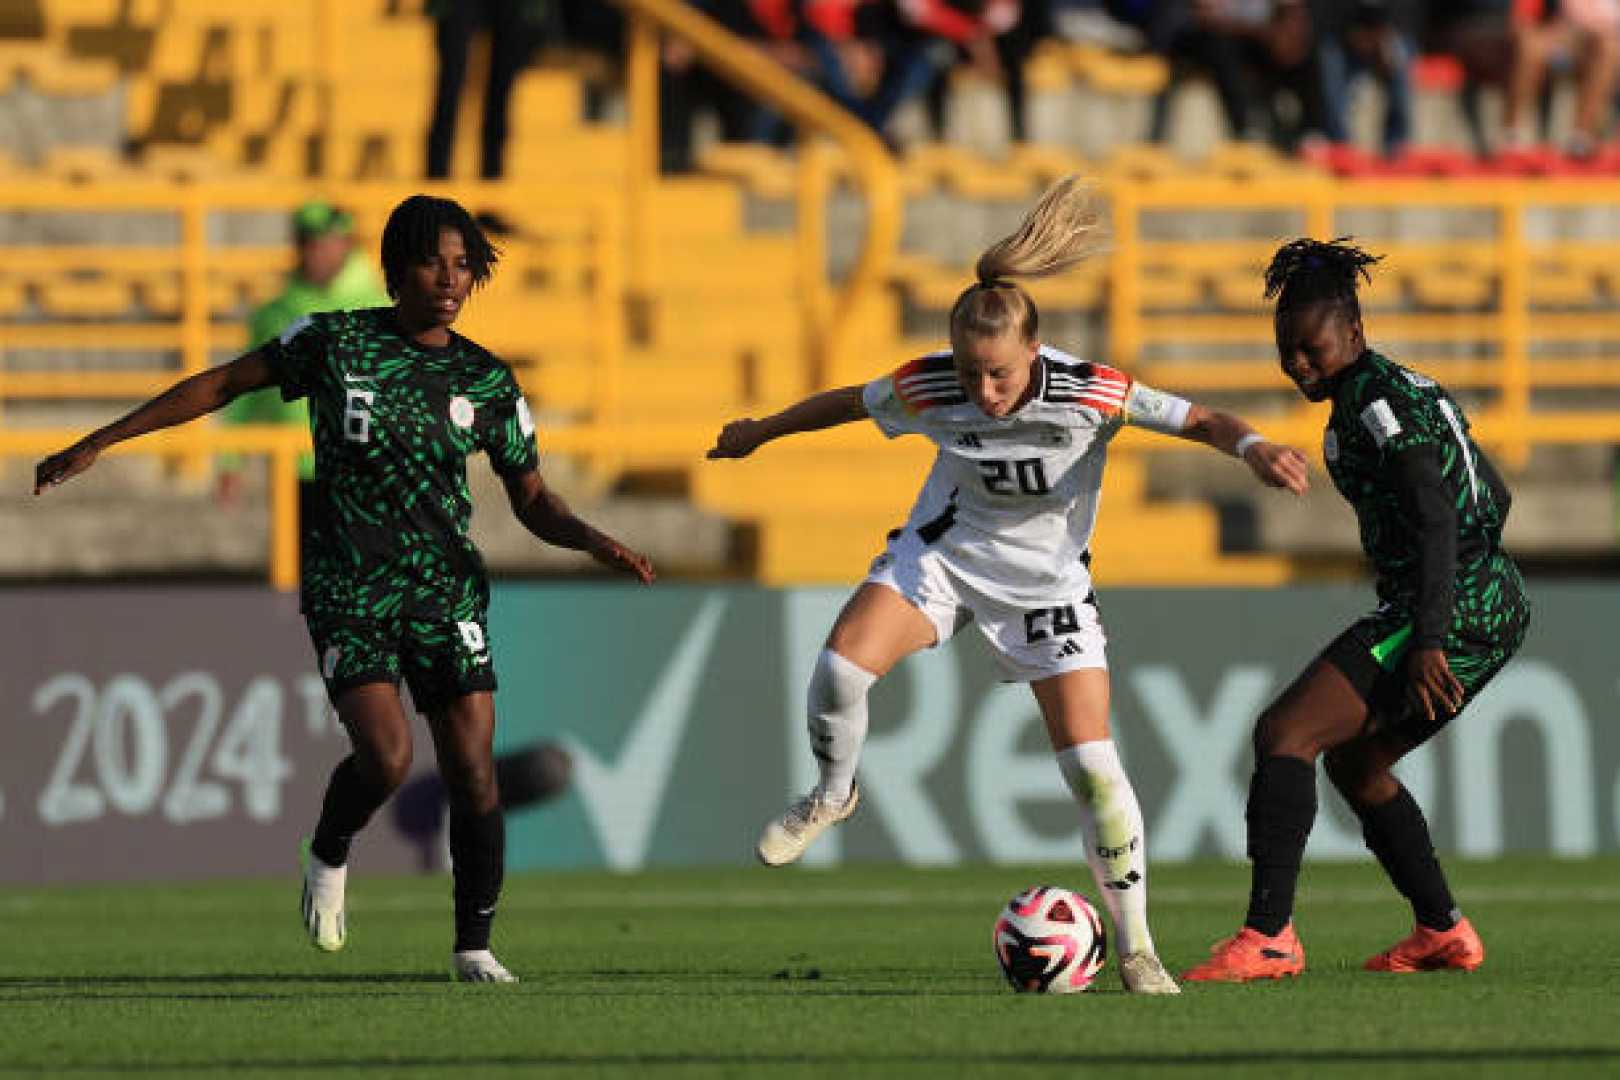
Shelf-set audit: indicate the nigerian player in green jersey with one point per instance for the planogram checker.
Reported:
(392, 586)
(1452, 611)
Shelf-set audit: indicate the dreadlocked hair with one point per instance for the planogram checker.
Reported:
(1064, 227)
(411, 237)
(1307, 271)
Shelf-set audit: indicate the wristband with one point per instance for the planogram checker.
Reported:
(1253, 438)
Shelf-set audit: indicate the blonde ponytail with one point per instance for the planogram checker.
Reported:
(1064, 227)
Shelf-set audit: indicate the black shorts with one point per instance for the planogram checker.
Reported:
(439, 659)
(1371, 654)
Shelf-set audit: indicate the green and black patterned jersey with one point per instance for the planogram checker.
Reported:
(1383, 415)
(393, 422)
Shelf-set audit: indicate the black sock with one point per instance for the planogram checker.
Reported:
(1282, 808)
(1397, 833)
(350, 801)
(478, 860)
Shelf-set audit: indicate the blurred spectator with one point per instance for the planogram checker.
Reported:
(1013, 50)
(1583, 32)
(330, 275)
(920, 40)
(1479, 35)
(515, 28)
(594, 29)
(687, 89)
(1375, 37)
(1255, 51)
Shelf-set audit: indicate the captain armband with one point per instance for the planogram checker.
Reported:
(1156, 410)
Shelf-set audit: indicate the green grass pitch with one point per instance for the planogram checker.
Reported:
(863, 971)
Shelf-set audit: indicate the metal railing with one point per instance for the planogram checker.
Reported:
(826, 316)
(1509, 328)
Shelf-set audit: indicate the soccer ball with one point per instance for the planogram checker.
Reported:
(1050, 941)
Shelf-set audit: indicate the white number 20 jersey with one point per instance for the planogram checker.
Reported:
(1011, 502)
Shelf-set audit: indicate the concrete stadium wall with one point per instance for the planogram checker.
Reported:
(157, 733)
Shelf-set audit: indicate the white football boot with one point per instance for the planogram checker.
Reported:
(1142, 973)
(785, 838)
(322, 902)
(479, 966)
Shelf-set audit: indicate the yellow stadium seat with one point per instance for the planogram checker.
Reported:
(83, 163)
(160, 295)
(693, 207)
(1136, 162)
(1045, 163)
(56, 75)
(763, 171)
(1116, 73)
(76, 297)
(1246, 161)
(1048, 69)
(1240, 289)
(1082, 287)
(1556, 285)
(1453, 287)
(13, 297)
(1167, 286)
(546, 101)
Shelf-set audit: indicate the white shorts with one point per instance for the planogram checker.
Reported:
(1062, 633)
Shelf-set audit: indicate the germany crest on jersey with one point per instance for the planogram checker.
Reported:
(1013, 500)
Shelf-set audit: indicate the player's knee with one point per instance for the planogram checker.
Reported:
(1270, 734)
(1344, 768)
(1361, 781)
(477, 792)
(389, 765)
(836, 684)
(1278, 733)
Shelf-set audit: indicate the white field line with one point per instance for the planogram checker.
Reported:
(619, 901)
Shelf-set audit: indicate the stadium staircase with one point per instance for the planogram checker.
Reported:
(217, 92)
(309, 95)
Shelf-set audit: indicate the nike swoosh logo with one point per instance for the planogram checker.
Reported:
(1276, 954)
(359, 378)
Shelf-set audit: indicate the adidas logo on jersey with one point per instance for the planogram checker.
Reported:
(970, 441)
(1070, 648)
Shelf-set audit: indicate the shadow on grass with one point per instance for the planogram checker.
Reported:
(1218, 1059)
(88, 988)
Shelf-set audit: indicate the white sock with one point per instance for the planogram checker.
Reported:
(326, 883)
(1116, 844)
(837, 711)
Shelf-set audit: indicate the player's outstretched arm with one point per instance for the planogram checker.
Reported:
(1275, 464)
(543, 512)
(824, 410)
(185, 400)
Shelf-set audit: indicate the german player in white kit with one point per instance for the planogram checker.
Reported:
(1000, 537)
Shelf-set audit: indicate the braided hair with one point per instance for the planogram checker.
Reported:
(412, 236)
(1310, 271)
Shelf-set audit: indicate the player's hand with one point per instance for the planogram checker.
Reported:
(1279, 466)
(1431, 685)
(615, 556)
(738, 439)
(64, 465)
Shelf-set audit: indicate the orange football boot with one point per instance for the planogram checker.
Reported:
(1249, 955)
(1457, 949)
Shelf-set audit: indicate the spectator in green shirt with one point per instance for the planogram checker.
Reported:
(330, 276)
